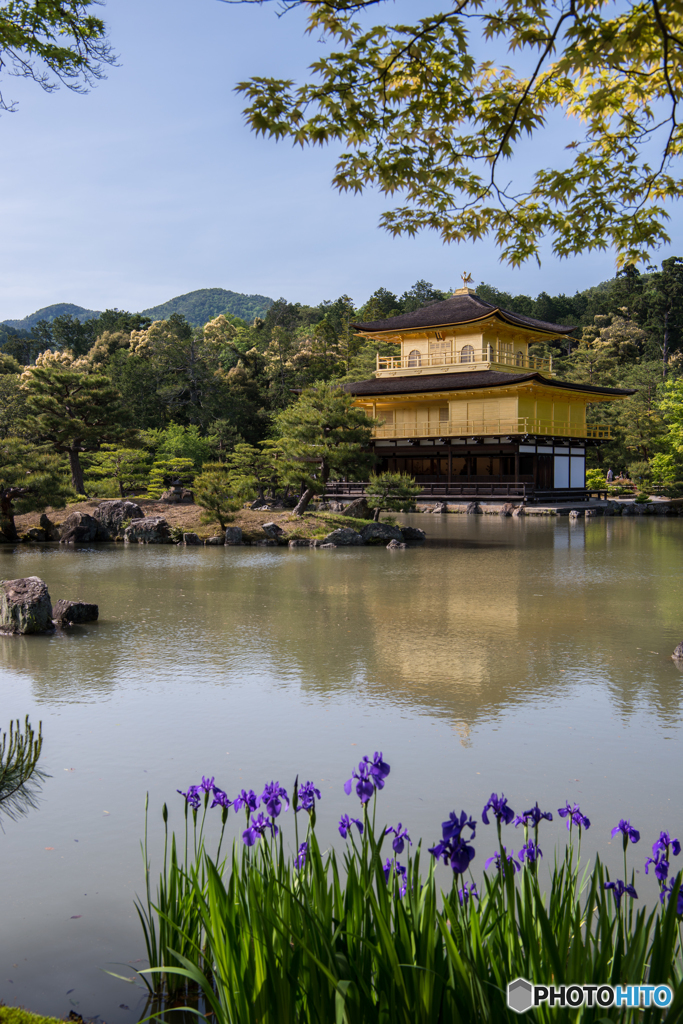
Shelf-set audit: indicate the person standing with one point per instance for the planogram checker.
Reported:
(610, 476)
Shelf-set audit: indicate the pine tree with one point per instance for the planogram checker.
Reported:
(324, 435)
(215, 491)
(30, 479)
(73, 410)
(391, 492)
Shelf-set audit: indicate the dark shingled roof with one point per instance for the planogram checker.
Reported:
(459, 309)
(466, 382)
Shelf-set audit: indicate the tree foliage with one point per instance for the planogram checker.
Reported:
(215, 490)
(53, 42)
(431, 113)
(20, 776)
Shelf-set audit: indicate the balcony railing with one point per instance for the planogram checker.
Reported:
(479, 428)
(478, 358)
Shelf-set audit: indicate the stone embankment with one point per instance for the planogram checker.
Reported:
(602, 508)
(25, 608)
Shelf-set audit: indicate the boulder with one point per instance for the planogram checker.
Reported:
(75, 612)
(78, 528)
(628, 509)
(441, 506)
(473, 509)
(323, 545)
(678, 653)
(590, 512)
(25, 606)
(506, 509)
(110, 515)
(299, 542)
(395, 545)
(272, 530)
(37, 534)
(412, 534)
(661, 508)
(192, 540)
(519, 511)
(218, 539)
(233, 536)
(269, 543)
(343, 537)
(51, 529)
(259, 503)
(152, 530)
(358, 508)
(377, 533)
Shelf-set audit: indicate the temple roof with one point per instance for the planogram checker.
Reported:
(459, 309)
(467, 382)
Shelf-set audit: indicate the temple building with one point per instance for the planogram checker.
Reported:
(467, 409)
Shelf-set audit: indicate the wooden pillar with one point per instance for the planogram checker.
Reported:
(517, 466)
(450, 465)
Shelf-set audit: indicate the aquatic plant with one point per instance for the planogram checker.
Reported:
(263, 936)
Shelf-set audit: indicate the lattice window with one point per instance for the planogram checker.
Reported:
(467, 354)
(443, 415)
(415, 358)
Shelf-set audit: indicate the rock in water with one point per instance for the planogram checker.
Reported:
(678, 653)
(78, 528)
(75, 612)
(358, 508)
(51, 530)
(343, 537)
(192, 539)
(233, 536)
(381, 533)
(153, 530)
(300, 542)
(111, 514)
(506, 509)
(218, 539)
(395, 545)
(25, 606)
(441, 508)
(519, 511)
(412, 534)
(473, 509)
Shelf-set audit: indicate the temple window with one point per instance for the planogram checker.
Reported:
(520, 358)
(467, 354)
(415, 358)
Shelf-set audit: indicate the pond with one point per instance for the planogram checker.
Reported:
(529, 655)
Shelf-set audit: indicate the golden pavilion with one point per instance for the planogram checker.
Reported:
(467, 410)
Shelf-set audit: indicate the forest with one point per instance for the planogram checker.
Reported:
(165, 389)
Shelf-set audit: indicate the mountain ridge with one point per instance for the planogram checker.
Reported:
(198, 306)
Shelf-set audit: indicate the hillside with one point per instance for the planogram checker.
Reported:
(204, 304)
(50, 312)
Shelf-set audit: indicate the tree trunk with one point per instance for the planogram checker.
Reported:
(121, 489)
(376, 514)
(303, 501)
(7, 526)
(76, 472)
(665, 345)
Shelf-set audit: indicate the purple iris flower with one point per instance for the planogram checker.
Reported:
(452, 828)
(619, 889)
(663, 843)
(533, 817)
(661, 866)
(574, 816)
(468, 892)
(220, 799)
(378, 769)
(400, 872)
(248, 800)
(531, 852)
(272, 797)
(257, 829)
(499, 806)
(307, 794)
(345, 824)
(300, 860)
(364, 783)
(510, 858)
(627, 831)
(454, 848)
(400, 838)
(192, 796)
(207, 784)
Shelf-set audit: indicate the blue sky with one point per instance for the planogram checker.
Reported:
(152, 185)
